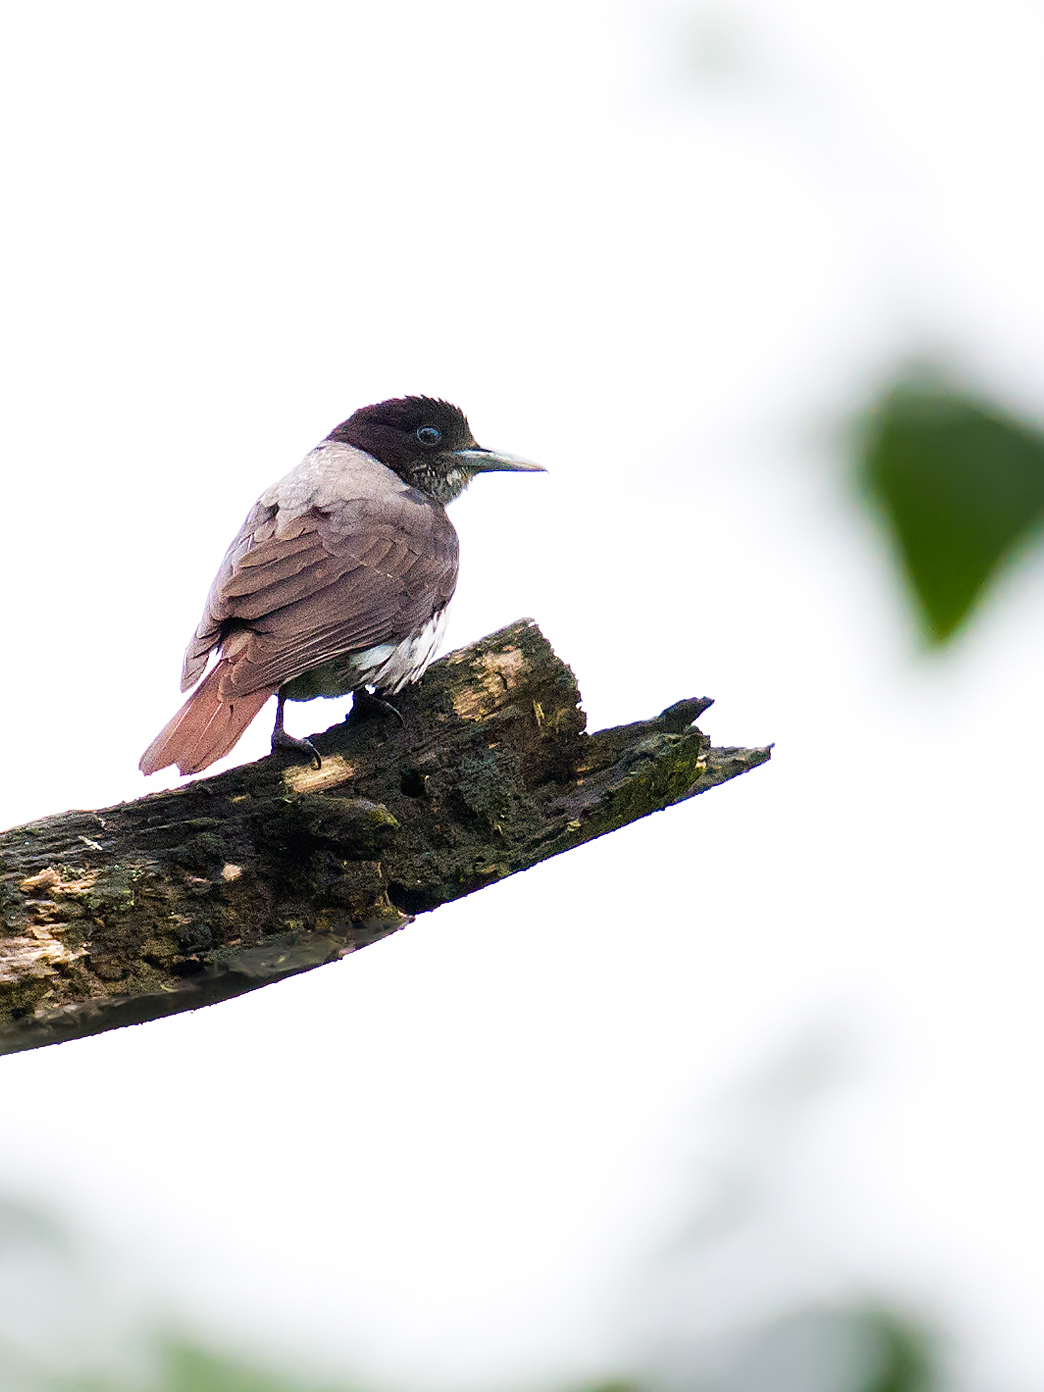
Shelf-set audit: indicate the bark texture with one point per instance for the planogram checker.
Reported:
(188, 897)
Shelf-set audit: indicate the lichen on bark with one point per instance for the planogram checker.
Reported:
(188, 897)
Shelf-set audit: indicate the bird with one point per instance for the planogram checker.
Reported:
(338, 581)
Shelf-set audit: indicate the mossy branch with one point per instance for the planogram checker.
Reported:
(188, 897)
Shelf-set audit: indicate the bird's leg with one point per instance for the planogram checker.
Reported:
(281, 740)
(367, 703)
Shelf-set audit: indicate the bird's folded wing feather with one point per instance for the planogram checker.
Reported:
(312, 576)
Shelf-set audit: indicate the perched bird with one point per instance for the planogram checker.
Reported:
(338, 580)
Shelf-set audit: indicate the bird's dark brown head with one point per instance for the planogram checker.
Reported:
(428, 443)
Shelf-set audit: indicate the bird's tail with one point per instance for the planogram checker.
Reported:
(204, 729)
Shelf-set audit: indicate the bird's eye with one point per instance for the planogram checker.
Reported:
(428, 434)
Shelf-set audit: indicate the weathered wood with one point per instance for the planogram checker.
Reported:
(188, 897)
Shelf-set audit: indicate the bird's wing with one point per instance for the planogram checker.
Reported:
(326, 563)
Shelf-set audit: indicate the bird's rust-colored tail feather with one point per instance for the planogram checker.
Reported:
(204, 729)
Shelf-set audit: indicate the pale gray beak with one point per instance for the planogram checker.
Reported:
(484, 461)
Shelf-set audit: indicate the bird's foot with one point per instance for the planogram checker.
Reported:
(281, 740)
(365, 705)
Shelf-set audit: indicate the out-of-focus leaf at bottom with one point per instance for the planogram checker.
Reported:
(190, 1368)
(961, 484)
(860, 1349)
(907, 1364)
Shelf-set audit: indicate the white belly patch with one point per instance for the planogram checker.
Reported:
(391, 666)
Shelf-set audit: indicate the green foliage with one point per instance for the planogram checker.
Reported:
(617, 1385)
(181, 1366)
(188, 1368)
(961, 484)
(906, 1364)
(895, 1357)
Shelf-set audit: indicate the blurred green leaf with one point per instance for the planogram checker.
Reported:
(907, 1363)
(961, 484)
(615, 1385)
(189, 1368)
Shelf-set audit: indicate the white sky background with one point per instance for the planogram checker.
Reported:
(666, 250)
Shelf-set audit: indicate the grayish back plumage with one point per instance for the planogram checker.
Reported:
(338, 556)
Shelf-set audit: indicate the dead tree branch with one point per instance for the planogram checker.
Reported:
(188, 897)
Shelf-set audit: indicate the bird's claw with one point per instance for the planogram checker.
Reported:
(365, 704)
(281, 740)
